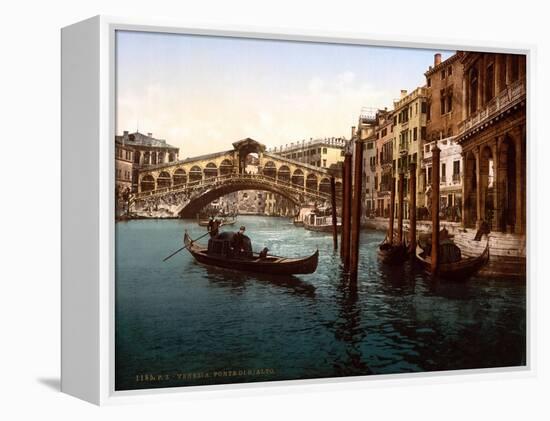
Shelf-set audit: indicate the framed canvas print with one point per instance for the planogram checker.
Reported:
(244, 208)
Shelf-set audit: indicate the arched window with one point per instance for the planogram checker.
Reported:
(284, 174)
(226, 167)
(195, 173)
(164, 180)
(269, 169)
(311, 182)
(147, 183)
(180, 177)
(298, 178)
(211, 170)
(324, 185)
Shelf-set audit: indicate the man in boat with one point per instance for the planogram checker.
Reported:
(213, 227)
(241, 244)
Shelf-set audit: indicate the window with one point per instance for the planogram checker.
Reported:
(449, 101)
(423, 133)
(429, 177)
(324, 150)
(342, 152)
(456, 167)
(428, 111)
(423, 107)
(415, 133)
(429, 82)
(514, 67)
(442, 100)
(473, 91)
(443, 74)
(443, 170)
(370, 145)
(416, 108)
(324, 162)
(449, 70)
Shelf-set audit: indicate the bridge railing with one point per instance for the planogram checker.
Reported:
(191, 185)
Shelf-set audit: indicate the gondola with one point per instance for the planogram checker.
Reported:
(225, 222)
(453, 265)
(392, 254)
(218, 254)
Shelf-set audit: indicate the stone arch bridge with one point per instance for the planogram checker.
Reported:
(184, 187)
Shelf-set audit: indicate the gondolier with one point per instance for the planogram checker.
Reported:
(213, 227)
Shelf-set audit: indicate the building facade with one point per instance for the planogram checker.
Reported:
(384, 161)
(450, 178)
(410, 116)
(493, 139)
(146, 151)
(324, 152)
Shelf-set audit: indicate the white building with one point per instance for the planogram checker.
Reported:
(450, 176)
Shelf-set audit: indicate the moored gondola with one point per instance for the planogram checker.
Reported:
(218, 253)
(392, 254)
(452, 263)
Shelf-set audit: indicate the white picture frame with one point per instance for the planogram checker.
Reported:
(88, 116)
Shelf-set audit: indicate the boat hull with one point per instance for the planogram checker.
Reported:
(458, 271)
(322, 228)
(269, 265)
(392, 254)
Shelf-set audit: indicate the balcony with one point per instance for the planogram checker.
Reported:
(512, 95)
(457, 178)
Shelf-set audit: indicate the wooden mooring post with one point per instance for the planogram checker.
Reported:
(400, 185)
(334, 216)
(346, 212)
(435, 209)
(392, 211)
(356, 210)
(412, 207)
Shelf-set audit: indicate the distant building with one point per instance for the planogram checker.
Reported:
(410, 115)
(145, 150)
(450, 179)
(444, 97)
(317, 152)
(366, 133)
(124, 161)
(384, 160)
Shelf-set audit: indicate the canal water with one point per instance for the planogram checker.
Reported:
(179, 323)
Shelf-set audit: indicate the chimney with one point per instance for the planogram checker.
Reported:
(403, 93)
(437, 59)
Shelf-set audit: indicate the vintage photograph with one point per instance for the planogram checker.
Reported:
(293, 210)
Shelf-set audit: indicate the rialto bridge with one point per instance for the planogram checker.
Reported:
(184, 187)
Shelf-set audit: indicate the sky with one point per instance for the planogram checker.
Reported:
(202, 93)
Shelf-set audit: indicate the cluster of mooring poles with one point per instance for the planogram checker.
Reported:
(395, 248)
(351, 208)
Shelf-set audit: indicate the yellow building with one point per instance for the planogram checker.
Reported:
(318, 152)
(410, 134)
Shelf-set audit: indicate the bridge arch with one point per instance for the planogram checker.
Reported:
(147, 183)
(210, 171)
(226, 167)
(283, 175)
(298, 177)
(311, 181)
(195, 173)
(164, 180)
(270, 170)
(180, 177)
(324, 185)
(202, 200)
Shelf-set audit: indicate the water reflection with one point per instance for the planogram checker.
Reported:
(237, 281)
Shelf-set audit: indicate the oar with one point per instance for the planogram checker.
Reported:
(184, 247)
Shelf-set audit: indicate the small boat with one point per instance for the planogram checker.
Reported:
(225, 221)
(392, 254)
(453, 264)
(218, 254)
